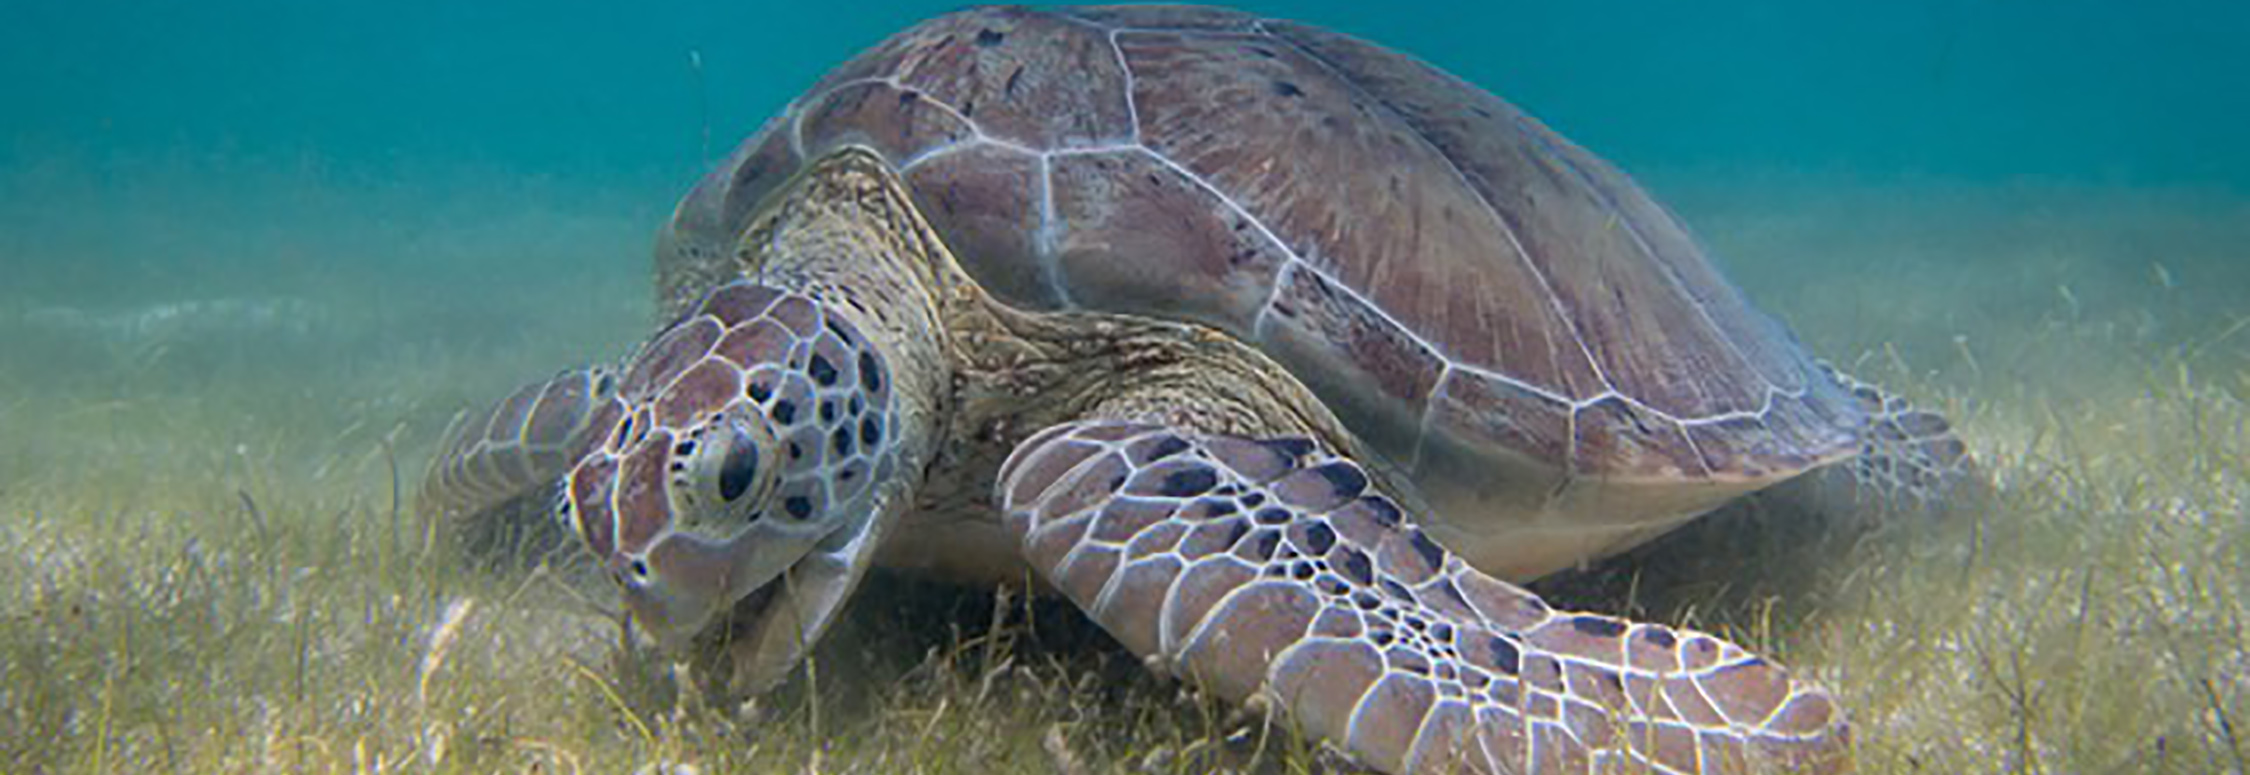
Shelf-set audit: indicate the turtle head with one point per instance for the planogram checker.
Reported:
(741, 491)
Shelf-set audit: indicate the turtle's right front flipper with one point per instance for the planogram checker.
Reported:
(1272, 571)
(491, 488)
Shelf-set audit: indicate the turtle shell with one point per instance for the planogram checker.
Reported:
(1500, 313)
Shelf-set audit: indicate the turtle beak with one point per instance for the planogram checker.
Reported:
(676, 582)
(670, 615)
(772, 629)
(699, 579)
(757, 601)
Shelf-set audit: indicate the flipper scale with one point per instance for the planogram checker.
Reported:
(1281, 577)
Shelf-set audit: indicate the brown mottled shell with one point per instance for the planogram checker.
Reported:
(1461, 284)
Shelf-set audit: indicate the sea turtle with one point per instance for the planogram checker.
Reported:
(1278, 353)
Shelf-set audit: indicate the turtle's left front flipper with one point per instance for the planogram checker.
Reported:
(491, 488)
(1271, 571)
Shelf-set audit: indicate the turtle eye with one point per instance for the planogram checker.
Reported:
(738, 469)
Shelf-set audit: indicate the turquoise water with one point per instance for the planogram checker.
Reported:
(245, 117)
(254, 248)
(599, 93)
(467, 165)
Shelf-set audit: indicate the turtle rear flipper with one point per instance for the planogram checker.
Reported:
(491, 490)
(1912, 457)
(1911, 471)
(1910, 464)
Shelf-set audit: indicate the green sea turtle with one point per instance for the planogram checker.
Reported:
(1278, 353)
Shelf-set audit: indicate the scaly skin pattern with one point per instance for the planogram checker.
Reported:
(1908, 457)
(1188, 492)
(1270, 571)
(771, 442)
(518, 445)
(746, 346)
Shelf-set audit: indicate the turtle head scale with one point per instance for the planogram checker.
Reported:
(742, 469)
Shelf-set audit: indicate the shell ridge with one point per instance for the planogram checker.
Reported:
(1043, 240)
(1294, 260)
(1429, 411)
(1109, 35)
(975, 131)
(1132, 111)
(1667, 271)
(977, 135)
(1609, 390)
(1044, 235)
(1546, 286)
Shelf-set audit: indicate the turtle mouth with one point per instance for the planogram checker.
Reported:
(761, 637)
(739, 647)
(748, 618)
(682, 621)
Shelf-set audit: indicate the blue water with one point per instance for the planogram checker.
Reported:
(445, 176)
(250, 244)
(603, 92)
(453, 172)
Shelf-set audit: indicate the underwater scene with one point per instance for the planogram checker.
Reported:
(269, 269)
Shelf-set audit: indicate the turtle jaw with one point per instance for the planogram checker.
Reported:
(771, 629)
(685, 583)
(676, 518)
(709, 570)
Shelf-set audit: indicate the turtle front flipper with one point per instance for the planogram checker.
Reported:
(492, 488)
(1272, 571)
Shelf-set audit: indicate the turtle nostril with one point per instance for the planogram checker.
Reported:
(738, 469)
